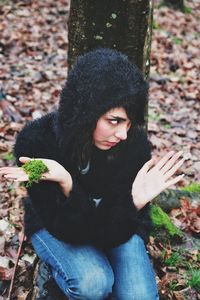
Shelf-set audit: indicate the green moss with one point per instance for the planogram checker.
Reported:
(192, 188)
(155, 25)
(194, 279)
(177, 41)
(34, 168)
(174, 259)
(161, 219)
(187, 10)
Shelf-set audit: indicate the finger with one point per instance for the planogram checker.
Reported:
(25, 178)
(24, 159)
(169, 164)
(163, 161)
(15, 176)
(173, 170)
(147, 165)
(174, 180)
(6, 169)
(10, 170)
(10, 176)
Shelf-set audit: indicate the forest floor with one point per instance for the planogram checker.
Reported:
(33, 55)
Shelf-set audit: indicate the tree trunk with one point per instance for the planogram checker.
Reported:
(177, 4)
(170, 199)
(117, 24)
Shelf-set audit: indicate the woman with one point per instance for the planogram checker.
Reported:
(88, 218)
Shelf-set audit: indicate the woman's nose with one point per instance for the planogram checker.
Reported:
(121, 133)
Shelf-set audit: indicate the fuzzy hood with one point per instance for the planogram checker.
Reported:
(99, 81)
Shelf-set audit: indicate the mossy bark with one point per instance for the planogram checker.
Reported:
(117, 24)
(170, 199)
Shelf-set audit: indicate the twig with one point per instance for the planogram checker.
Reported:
(21, 240)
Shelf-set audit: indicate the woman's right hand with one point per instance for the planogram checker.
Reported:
(56, 173)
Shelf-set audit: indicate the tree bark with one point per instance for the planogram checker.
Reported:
(170, 199)
(124, 25)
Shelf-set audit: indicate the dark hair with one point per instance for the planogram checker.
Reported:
(99, 81)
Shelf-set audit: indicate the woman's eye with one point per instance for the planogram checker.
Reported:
(114, 122)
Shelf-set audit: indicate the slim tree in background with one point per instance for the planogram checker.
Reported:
(124, 25)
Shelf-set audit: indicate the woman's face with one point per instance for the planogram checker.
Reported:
(111, 128)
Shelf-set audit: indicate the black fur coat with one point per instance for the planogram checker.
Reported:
(99, 81)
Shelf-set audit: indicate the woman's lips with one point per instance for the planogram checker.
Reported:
(111, 144)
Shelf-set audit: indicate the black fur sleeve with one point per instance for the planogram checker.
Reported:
(46, 206)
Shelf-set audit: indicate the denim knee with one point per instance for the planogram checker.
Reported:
(134, 276)
(95, 285)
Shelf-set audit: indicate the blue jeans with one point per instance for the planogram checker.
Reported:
(88, 273)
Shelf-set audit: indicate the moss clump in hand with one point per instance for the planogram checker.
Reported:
(161, 219)
(34, 168)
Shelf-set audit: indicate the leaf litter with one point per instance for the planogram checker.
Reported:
(33, 50)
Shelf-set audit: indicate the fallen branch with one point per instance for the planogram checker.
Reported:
(21, 240)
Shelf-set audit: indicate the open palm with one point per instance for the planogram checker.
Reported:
(56, 171)
(153, 178)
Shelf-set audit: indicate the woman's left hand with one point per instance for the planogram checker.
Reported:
(153, 178)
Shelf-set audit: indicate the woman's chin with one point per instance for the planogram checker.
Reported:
(105, 145)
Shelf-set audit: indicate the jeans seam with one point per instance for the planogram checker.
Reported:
(45, 245)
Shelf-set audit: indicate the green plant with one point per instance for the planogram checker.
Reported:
(177, 41)
(194, 279)
(154, 117)
(34, 168)
(187, 10)
(174, 259)
(167, 126)
(192, 188)
(173, 284)
(161, 219)
(9, 156)
(155, 25)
